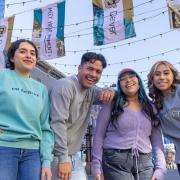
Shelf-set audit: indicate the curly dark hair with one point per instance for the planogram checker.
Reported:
(156, 94)
(92, 57)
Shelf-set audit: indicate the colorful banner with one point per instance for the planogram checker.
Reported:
(48, 30)
(113, 21)
(174, 13)
(6, 27)
(2, 5)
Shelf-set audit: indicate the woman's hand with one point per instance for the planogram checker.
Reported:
(46, 174)
(154, 178)
(99, 177)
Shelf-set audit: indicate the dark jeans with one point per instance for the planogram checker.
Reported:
(122, 165)
(178, 165)
(19, 164)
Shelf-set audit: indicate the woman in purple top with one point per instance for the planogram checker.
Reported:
(125, 132)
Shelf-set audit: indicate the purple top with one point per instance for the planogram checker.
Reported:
(134, 131)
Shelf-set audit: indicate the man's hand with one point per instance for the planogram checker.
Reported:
(107, 95)
(46, 174)
(64, 171)
(99, 177)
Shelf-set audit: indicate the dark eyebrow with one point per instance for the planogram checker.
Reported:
(26, 49)
(166, 70)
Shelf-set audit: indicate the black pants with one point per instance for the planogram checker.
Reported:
(178, 165)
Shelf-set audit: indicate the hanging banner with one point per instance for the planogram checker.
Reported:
(174, 13)
(6, 27)
(2, 5)
(113, 21)
(48, 30)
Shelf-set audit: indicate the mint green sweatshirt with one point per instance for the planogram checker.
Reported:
(24, 115)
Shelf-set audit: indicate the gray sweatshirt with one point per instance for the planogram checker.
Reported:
(170, 120)
(70, 110)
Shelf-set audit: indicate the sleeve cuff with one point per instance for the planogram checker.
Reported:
(64, 158)
(96, 169)
(46, 163)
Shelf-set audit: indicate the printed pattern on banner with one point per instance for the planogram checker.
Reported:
(2, 5)
(113, 21)
(48, 30)
(174, 13)
(6, 27)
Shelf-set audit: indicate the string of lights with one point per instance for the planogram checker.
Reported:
(84, 29)
(22, 2)
(119, 45)
(89, 28)
(85, 21)
(115, 75)
(113, 46)
(126, 61)
(91, 20)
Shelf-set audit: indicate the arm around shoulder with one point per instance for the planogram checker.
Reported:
(104, 95)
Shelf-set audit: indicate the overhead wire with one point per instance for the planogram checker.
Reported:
(115, 75)
(81, 22)
(114, 46)
(88, 28)
(126, 61)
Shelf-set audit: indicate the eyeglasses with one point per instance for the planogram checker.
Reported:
(126, 77)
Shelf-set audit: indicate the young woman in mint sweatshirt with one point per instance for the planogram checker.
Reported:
(164, 89)
(26, 139)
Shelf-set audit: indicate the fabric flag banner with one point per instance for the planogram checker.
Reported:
(48, 30)
(6, 27)
(113, 21)
(2, 5)
(174, 13)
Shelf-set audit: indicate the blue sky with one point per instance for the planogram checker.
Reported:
(151, 20)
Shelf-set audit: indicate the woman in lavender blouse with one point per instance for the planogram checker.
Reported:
(127, 134)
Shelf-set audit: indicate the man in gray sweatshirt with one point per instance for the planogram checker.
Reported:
(71, 103)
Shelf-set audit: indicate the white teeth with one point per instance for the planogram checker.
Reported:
(90, 79)
(129, 85)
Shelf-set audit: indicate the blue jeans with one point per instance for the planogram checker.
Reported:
(122, 165)
(19, 164)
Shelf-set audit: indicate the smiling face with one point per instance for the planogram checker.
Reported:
(129, 84)
(24, 59)
(89, 73)
(163, 78)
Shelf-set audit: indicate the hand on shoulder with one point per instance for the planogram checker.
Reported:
(107, 95)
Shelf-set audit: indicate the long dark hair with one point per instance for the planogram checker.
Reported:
(120, 100)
